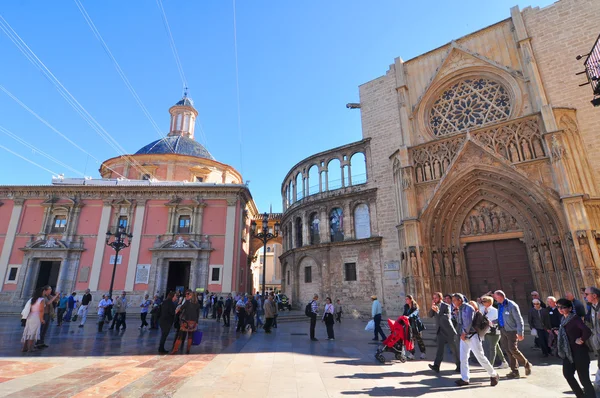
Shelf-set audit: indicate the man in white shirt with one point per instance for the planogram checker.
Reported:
(102, 305)
(376, 311)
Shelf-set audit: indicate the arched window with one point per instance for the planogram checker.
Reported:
(292, 198)
(358, 164)
(336, 225)
(298, 232)
(299, 187)
(314, 229)
(334, 174)
(469, 103)
(362, 222)
(313, 180)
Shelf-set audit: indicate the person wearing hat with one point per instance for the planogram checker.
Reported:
(376, 314)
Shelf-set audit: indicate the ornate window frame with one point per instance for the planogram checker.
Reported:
(514, 91)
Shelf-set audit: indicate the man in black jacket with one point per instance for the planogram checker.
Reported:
(167, 317)
(444, 330)
(227, 310)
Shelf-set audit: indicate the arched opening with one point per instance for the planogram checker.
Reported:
(362, 222)
(298, 231)
(336, 225)
(315, 229)
(313, 180)
(292, 198)
(358, 163)
(334, 180)
(272, 268)
(299, 187)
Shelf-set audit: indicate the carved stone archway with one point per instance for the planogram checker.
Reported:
(480, 181)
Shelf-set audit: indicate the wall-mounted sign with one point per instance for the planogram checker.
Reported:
(142, 274)
(112, 259)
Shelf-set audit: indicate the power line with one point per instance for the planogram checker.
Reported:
(237, 87)
(172, 43)
(51, 127)
(98, 36)
(34, 59)
(37, 150)
(28, 160)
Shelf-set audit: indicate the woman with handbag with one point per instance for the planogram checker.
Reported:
(411, 310)
(572, 348)
(188, 321)
(328, 318)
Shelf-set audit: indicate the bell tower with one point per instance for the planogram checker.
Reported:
(183, 117)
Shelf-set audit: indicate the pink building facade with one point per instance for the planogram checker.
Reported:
(189, 216)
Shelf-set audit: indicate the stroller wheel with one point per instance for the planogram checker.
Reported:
(401, 357)
(380, 358)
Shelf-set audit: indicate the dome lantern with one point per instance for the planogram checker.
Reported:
(183, 118)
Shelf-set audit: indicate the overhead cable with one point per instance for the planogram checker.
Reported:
(28, 160)
(137, 98)
(237, 87)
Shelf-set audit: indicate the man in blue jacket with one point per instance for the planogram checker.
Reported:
(511, 332)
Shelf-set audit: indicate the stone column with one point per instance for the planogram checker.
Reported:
(348, 220)
(324, 226)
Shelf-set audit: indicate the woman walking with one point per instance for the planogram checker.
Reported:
(493, 336)
(188, 321)
(166, 319)
(572, 336)
(411, 310)
(539, 320)
(328, 318)
(34, 322)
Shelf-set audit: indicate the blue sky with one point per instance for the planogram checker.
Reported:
(299, 64)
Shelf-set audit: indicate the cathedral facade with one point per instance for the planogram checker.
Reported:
(482, 169)
(188, 214)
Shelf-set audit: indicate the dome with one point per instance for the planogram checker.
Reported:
(181, 146)
(185, 101)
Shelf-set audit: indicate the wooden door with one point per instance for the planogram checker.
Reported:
(503, 265)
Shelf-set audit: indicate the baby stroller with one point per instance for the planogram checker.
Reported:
(398, 341)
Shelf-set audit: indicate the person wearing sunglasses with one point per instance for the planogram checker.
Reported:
(539, 323)
(573, 350)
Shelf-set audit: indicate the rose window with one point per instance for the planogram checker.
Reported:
(468, 104)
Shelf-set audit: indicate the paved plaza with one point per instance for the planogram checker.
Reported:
(83, 363)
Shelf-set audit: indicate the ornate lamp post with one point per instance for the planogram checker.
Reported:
(121, 240)
(264, 236)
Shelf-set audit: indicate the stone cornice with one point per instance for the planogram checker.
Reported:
(328, 245)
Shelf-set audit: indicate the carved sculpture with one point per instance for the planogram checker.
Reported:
(437, 271)
(437, 155)
(537, 261)
(423, 266)
(495, 223)
(486, 218)
(457, 267)
(50, 243)
(414, 264)
(560, 258)
(473, 220)
(586, 253)
(558, 151)
(179, 243)
(404, 264)
(466, 228)
(514, 154)
(526, 150)
(447, 265)
(548, 260)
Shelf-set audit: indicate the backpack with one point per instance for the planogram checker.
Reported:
(308, 310)
(480, 323)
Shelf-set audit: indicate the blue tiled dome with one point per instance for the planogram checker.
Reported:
(185, 101)
(181, 146)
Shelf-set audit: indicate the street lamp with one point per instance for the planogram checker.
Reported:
(121, 240)
(264, 236)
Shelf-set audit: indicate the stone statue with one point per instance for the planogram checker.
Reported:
(560, 258)
(428, 176)
(404, 265)
(437, 271)
(537, 148)
(503, 225)
(513, 224)
(485, 212)
(179, 243)
(481, 224)
(526, 150)
(466, 228)
(457, 268)
(419, 173)
(473, 225)
(50, 243)
(514, 153)
(423, 267)
(436, 169)
(586, 253)
(414, 264)
(447, 265)
(537, 261)
(495, 222)
(548, 260)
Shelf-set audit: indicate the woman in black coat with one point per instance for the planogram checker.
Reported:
(167, 317)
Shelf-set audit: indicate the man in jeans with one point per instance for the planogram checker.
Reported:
(511, 332)
(83, 308)
(445, 332)
(376, 311)
(314, 312)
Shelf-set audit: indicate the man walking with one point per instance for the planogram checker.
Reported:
(48, 308)
(314, 311)
(250, 312)
(376, 311)
(227, 310)
(445, 332)
(259, 310)
(592, 295)
(511, 332)
(83, 308)
(121, 308)
(70, 307)
(241, 315)
(102, 306)
(62, 308)
(470, 341)
(270, 311)
(145, 306)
